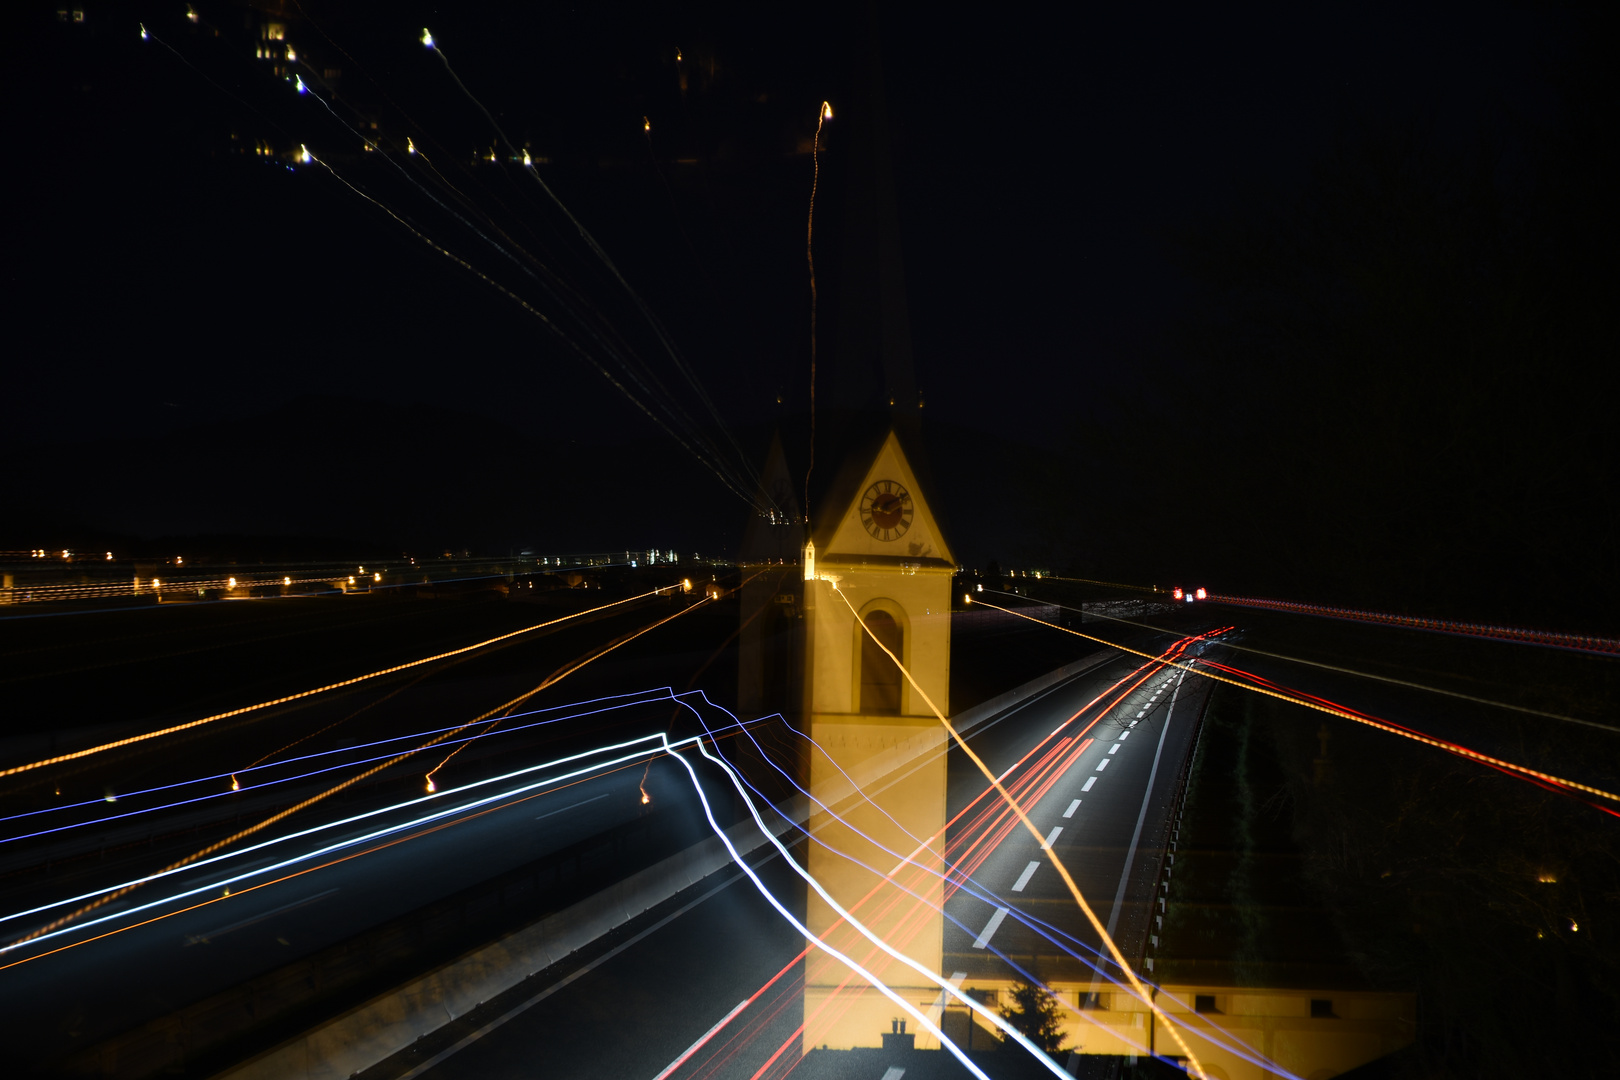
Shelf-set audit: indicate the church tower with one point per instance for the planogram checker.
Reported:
(877, 550)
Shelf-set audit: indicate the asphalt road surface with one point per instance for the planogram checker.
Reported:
(683, 969)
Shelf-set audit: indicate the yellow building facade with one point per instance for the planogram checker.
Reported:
(877, 551)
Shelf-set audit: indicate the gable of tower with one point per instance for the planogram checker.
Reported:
(883, 515)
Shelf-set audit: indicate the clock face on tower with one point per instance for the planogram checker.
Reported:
(886, 510)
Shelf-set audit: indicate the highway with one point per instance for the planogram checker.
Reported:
(402, 886)
(618, 1017)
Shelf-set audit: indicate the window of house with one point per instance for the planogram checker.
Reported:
(1321, 1008)
(1204, 1003)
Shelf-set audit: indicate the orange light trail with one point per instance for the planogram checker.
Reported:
(1340, 711)
(1029, 826)
(553, 679)
(281, 815)
(15, 769)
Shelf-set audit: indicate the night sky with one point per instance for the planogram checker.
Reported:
(1072, 192)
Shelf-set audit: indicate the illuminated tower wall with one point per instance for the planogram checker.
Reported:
(880, 547)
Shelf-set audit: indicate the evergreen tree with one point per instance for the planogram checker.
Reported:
(1034, 1012)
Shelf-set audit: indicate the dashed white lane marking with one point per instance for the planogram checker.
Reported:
(1089, 781)
(1051, 837)
(1074, 805)
(1141, 714)
(1114, 749)
(989, 928)
(1124, 735)
(1133, 723)
(1103, 764)
(895, 1072)
(1023, 879)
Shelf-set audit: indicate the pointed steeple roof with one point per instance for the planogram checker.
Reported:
(876, 511)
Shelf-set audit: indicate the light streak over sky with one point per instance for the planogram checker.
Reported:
(735, 471)
(810, 258)
(1057, 864)
(739, 474)
(1321, 705)
(75, 755)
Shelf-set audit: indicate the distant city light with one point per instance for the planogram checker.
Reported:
(291, 55)
(410, 147)
(1202, 594)
(298, 81)
(231, 582)
(427, 38)
(826, 110)
(144, 34)
(1175, 594)
(378, 577)
(303, 151)
(286, 581)
(526, 160)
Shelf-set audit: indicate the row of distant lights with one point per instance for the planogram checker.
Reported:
(230, 583)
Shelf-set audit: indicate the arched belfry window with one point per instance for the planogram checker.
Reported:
(880, 677)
